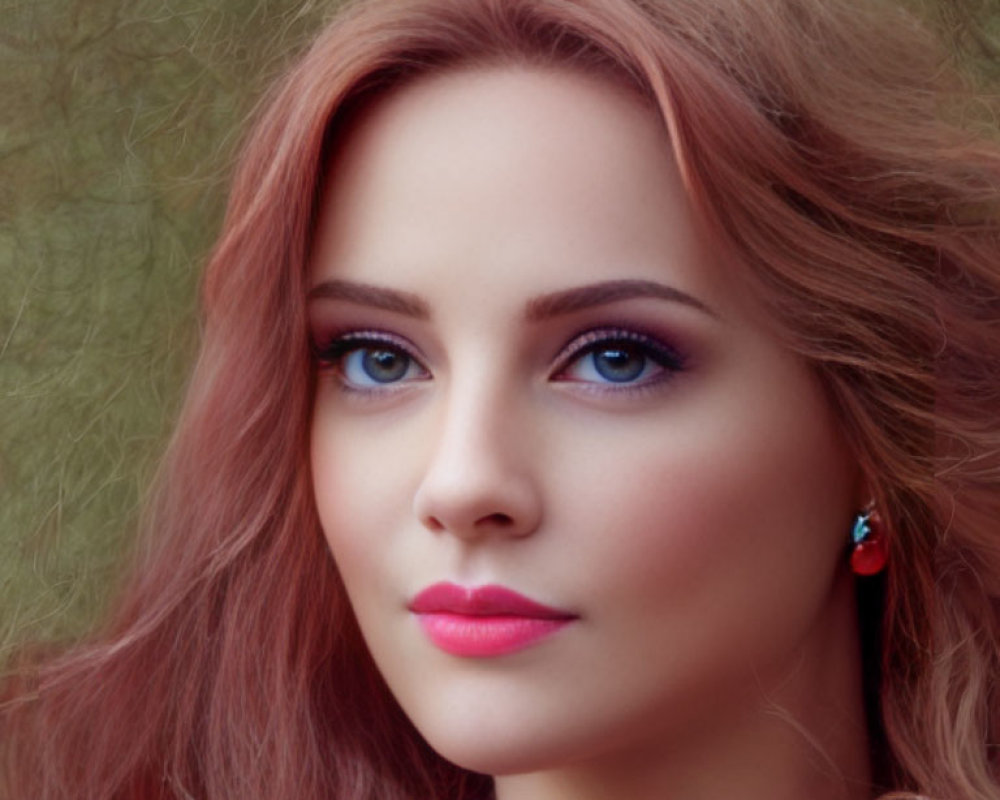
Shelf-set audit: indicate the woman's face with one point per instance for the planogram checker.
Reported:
(534, 375)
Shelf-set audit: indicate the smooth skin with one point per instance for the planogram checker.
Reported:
(534, 372)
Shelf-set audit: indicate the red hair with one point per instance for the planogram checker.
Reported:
(813, 140)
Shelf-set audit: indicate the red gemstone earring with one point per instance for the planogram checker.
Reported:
(870, 549)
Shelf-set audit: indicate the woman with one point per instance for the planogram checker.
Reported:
(608, 347)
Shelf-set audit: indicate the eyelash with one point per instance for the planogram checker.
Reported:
(333, 356)
(650, 348)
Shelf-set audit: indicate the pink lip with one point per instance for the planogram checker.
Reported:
(484, 621)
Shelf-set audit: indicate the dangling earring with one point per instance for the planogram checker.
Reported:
(870, 549)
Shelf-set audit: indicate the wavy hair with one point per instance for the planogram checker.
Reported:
(827, 146)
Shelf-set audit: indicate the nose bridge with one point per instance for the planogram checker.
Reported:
(478, 477)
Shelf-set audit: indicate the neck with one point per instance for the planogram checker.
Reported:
(800, 733)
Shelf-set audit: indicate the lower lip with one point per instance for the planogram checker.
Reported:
(484, 636)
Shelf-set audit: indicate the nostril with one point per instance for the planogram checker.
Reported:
(435, 524)
(499, 520)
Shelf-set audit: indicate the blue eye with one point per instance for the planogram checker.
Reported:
(615, 357)
(370, 366)
(371, 361)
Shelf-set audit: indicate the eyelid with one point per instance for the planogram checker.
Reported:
(341, 343)
(332, 359)
(585, 341)
(656, 348)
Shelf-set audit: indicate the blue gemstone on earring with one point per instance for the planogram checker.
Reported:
(861, 529)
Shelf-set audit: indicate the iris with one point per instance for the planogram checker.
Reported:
(619, 363)
(383, 365)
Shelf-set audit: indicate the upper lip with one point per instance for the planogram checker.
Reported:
(480, 601)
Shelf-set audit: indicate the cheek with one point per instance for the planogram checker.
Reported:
(719, 520)
(357, 488)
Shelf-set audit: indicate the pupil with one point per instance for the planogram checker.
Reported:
(384, 366)
(619, 364)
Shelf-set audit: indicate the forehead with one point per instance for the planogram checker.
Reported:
(507, 171)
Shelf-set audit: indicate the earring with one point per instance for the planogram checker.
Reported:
(870, 550)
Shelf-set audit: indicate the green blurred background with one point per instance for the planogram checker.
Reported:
(119, 122)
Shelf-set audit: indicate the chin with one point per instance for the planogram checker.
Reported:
(491, 757)
(512, 746)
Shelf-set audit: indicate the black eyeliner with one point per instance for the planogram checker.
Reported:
(662, 353)
(341, 344)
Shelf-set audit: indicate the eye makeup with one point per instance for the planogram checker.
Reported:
(370, 362)
(617, 359)
(339, 344)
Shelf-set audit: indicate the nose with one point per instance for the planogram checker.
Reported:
(479, 481)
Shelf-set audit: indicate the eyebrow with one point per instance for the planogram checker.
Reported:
(546, 306)
(365, 294)
(598, 294)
